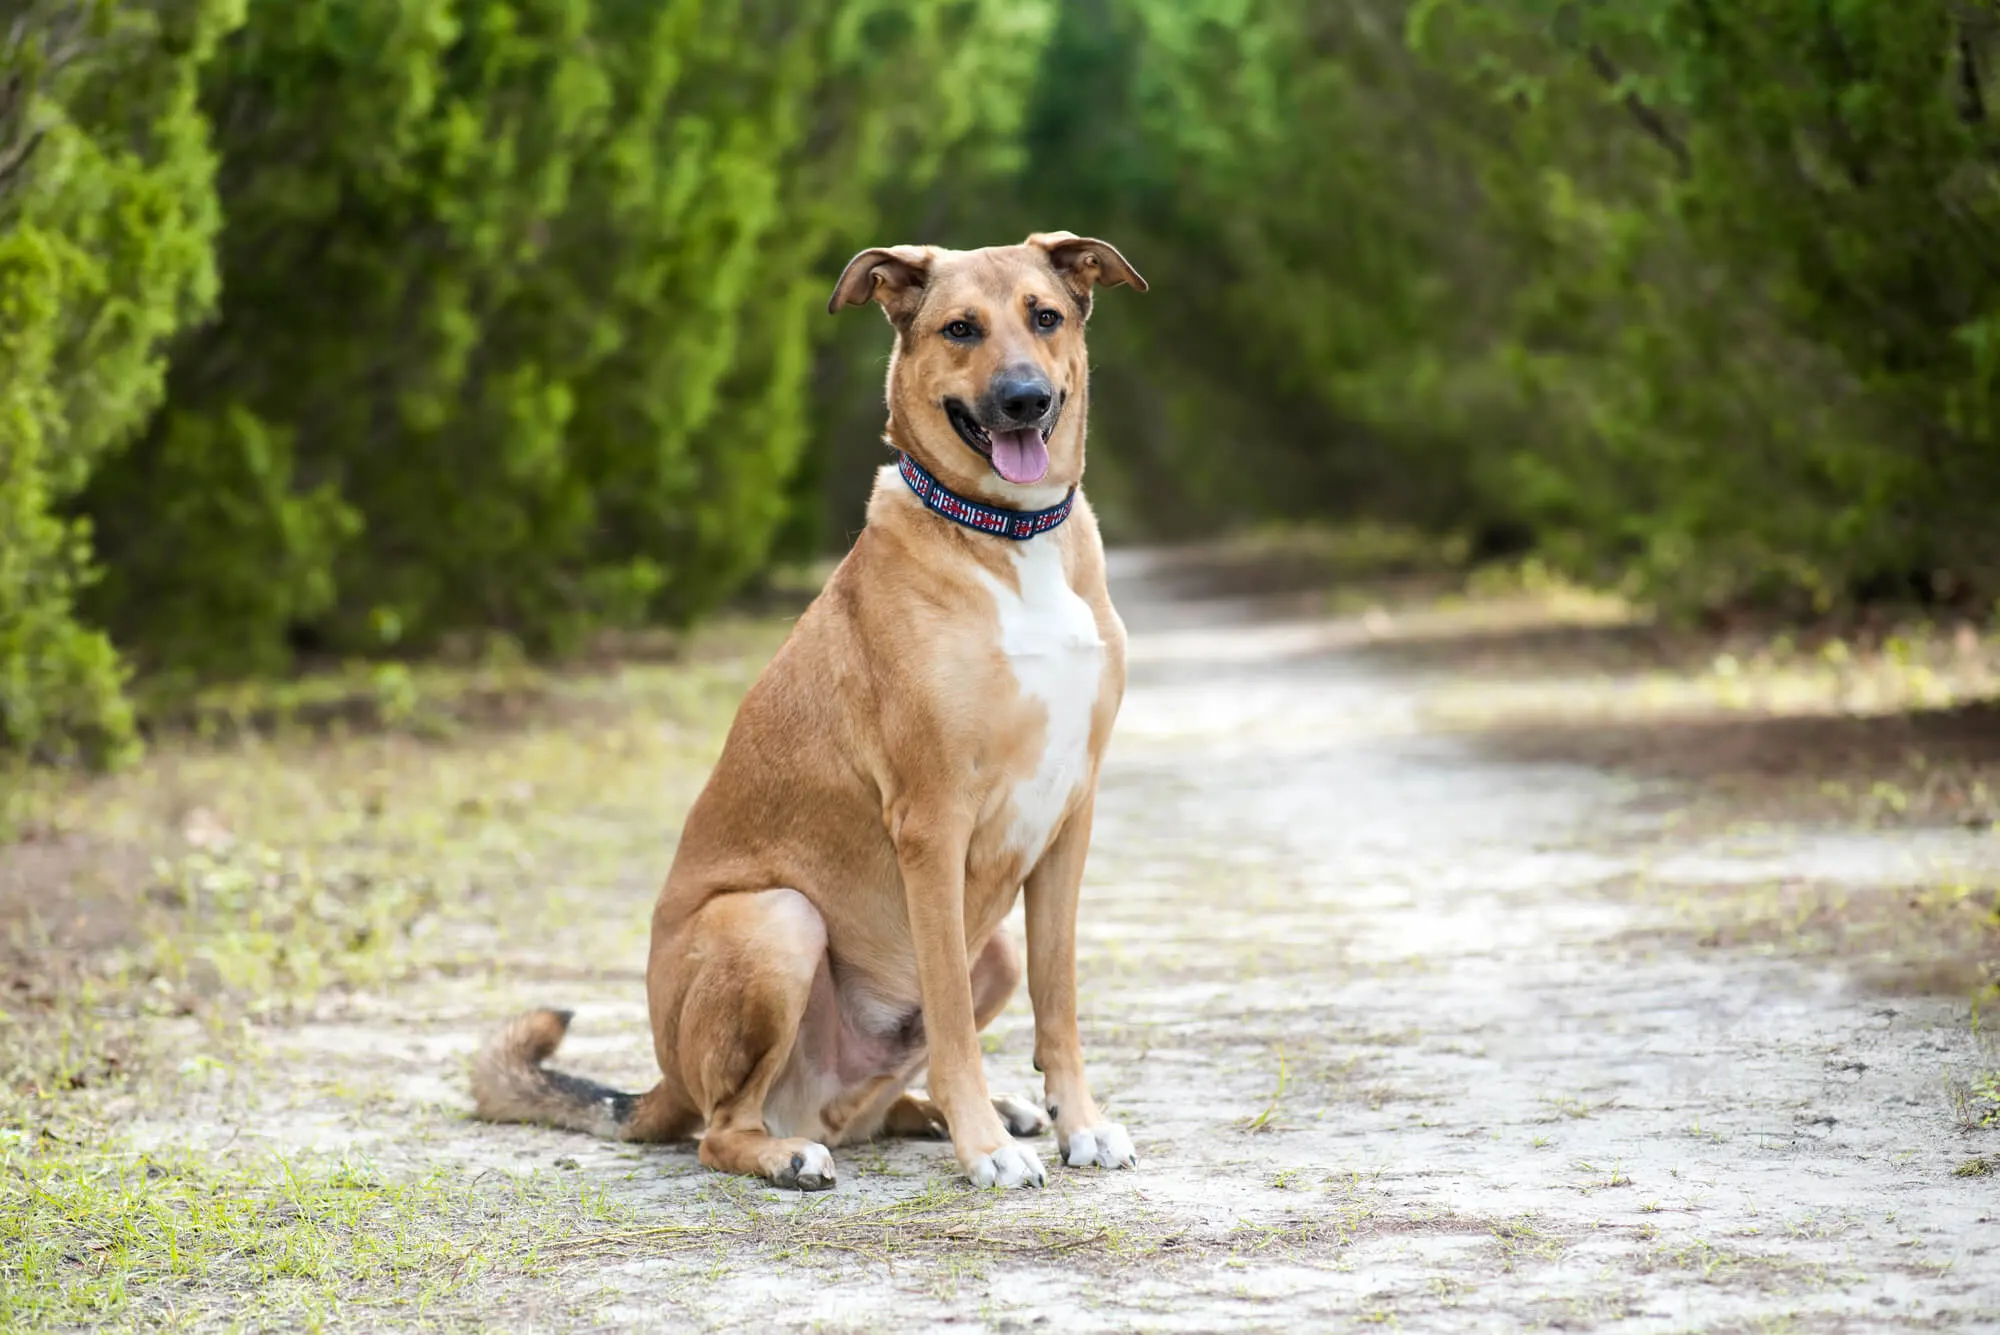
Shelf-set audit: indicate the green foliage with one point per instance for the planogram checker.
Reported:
(515, 324)
(1699, 296)
(1743, 314)
(107, 208)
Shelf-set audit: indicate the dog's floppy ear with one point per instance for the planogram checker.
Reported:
(881, 273)
(1081, 261)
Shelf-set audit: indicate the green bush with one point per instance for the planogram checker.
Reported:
(514, 330)
(1753, 282)
(1699, 296)
(107, 210)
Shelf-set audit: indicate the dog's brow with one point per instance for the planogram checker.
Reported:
(996, 279)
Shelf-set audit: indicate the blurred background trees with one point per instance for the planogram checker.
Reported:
(1696, 298)
(351, 326)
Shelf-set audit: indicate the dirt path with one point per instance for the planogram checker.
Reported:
(1389, 1052)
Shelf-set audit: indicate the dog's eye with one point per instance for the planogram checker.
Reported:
(1047, 319)
(962, 330)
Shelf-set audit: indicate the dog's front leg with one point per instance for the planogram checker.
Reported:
(932, 856)
(1084, 1138)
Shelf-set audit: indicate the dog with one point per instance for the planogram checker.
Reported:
(922, 750)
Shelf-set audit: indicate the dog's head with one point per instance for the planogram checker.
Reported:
(989, 382)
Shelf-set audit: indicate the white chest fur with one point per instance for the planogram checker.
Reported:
(1050, 638)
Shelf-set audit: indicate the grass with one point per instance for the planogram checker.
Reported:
(1713, 1263)
(944, 1219)
(1568, 1106)
(1263, 1119)
(1937, 936)
(1600, 1178)
(1975, 1103)
(1526, 1239)
(114, 1239)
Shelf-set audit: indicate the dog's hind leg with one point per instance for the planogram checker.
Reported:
(754, 957)
(917, 1118)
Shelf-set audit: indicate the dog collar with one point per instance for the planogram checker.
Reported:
(1020, 525)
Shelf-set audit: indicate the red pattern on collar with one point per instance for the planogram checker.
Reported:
(1020, 525)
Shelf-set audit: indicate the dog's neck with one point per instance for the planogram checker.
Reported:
(1017, 525)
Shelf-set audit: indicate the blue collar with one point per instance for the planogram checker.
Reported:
(1020, 525)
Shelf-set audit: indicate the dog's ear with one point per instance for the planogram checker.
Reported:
(888, 274)
(1083, 261)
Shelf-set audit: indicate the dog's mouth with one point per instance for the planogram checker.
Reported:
(1018, 454)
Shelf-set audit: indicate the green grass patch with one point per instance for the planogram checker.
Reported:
(116, 1239)
(239, 875)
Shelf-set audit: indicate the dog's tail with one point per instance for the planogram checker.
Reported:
(510, 1084)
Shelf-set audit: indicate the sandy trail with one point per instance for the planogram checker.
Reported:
(1389, 1053)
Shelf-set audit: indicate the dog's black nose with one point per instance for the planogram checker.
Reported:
(1023, 398)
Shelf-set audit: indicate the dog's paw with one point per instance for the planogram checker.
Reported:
(1103, 1146)
(1008, 1166)
(1022, 1117)
(809, 1169)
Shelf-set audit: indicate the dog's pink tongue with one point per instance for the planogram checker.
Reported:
(1020, 456)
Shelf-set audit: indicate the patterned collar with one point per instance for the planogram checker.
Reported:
(1019, 525)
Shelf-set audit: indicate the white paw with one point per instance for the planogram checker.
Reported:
(1009, 1166)
(1022, 1117)
(1102, 1146)
(811, 1169)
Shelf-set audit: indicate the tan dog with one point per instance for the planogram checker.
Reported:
(923, 748)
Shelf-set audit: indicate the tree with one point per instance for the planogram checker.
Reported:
(107, 210)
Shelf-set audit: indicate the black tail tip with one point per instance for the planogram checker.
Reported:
(563, 1017)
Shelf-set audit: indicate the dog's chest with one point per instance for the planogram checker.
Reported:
(1049, 637)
